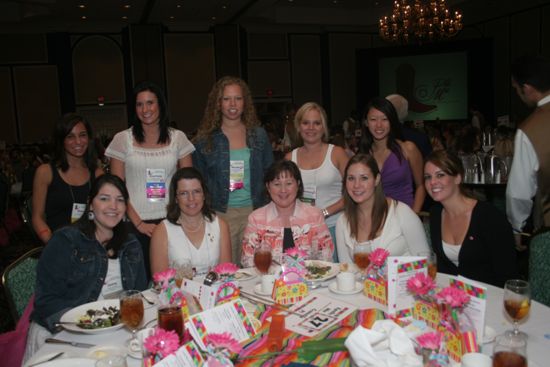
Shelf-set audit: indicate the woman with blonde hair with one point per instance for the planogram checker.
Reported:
(232, 153)
(372, 219)
(321, 164)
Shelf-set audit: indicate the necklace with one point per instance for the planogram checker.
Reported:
(191, 229)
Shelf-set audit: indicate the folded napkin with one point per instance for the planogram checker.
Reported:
(385, 345)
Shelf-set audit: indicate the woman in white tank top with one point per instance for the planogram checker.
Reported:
(321, 165)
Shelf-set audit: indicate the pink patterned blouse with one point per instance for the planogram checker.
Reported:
(307, 224)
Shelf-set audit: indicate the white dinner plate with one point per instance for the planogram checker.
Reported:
(70, 362)
(259, 291)
(333, 271)
(77, 312)
(333, 287)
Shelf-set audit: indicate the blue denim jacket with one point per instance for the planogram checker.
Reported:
(72, 269)
(214, 166)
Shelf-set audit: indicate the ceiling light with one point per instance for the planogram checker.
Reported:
(178, 6)
(172, 17)
(82, 6)
(213, 18)
(421, 22)
(83, 17)
(127, 6)
(124, 17)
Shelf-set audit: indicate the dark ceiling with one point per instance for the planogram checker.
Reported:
(199, 15)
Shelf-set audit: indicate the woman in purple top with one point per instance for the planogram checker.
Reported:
(400, 162)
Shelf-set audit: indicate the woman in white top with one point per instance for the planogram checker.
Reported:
(146, 156)
(191, 231)
(321, 164)
(371, 218)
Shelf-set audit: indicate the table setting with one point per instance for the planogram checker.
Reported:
(309, 312)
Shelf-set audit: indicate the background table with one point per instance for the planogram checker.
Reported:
(537, 326)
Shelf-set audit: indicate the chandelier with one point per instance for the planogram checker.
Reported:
(420, 22)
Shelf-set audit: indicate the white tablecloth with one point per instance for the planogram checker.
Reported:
(537, 326)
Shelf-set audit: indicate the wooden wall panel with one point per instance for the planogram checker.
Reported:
(306, 69)
(37, 108)
(269, 75)
(228, 50)
(23, 48)
(98, 68)
(190, 74)
(9, 123)
(343, 73)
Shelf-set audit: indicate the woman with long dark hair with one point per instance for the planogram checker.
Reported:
(146, 156)
(470, 237)
(370, 218)
(400, 162)
(61, 188)
(95, 258)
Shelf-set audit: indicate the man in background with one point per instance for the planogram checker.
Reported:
(529, 179)
(420, 139)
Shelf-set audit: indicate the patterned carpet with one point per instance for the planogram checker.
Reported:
(20, 242)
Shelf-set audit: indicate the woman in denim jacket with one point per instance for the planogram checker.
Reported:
(232, 153)
(91, 260)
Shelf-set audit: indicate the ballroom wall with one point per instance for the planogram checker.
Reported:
(43, 75)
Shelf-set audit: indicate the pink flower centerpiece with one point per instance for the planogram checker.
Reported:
(296, 253)
(226, 270)
(432, 349)
(378, 257)
(160, 345)
(452, 296)
(431, 340)
(421, 286)
(163, 278)
(219, 349)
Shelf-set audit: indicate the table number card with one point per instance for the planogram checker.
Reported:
(316, 313)
(400, 270)
(187, 356)
(210, 296)
(475, 309)
(229, 317)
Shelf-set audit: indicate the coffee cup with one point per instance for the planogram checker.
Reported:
(268, 280)
(345, 281)
(476, 360)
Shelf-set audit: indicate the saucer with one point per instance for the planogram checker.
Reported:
(489, 335)
(258, 290)
(333, 287)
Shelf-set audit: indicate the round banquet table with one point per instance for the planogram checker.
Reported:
(537, 326)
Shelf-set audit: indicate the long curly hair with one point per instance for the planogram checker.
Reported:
(367, 140)
(380, 207)
(212, 117)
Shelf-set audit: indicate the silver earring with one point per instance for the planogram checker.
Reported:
(91, 215)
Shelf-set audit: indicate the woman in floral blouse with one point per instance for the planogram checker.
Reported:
(286, 222)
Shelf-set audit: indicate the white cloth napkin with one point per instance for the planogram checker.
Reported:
(385, 345)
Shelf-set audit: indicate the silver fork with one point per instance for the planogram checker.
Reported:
(47, 360)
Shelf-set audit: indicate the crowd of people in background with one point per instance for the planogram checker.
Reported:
(238, 184)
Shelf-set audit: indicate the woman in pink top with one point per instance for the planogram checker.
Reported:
(286, 222)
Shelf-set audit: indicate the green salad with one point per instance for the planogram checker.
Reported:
(98, 319)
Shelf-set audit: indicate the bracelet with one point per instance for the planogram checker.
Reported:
(45, 230)
(325, 212)
(139, 224)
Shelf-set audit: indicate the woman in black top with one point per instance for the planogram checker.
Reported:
(470, 237)
(60, 189)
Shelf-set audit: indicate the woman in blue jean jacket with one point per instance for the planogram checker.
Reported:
(93, 259)
(232, 153)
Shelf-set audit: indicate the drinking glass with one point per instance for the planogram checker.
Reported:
(262, 258)
(170, 317)
(431, 259)
(131, 310)
(112, 361)
(517, 302)
(184, 270)
(510, 351)
(361, 258)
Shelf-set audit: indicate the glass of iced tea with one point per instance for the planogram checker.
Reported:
(517, 302)
(431, 259)
(510, 351)
(262, 258)
(131, 310)
(170, 317)
(361, 258)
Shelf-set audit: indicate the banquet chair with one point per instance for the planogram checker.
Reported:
(18, 281)
(539, 266)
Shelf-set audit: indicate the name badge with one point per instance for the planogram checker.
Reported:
(155, 184)
(78, 210)
(310, 194)
(236, 175)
